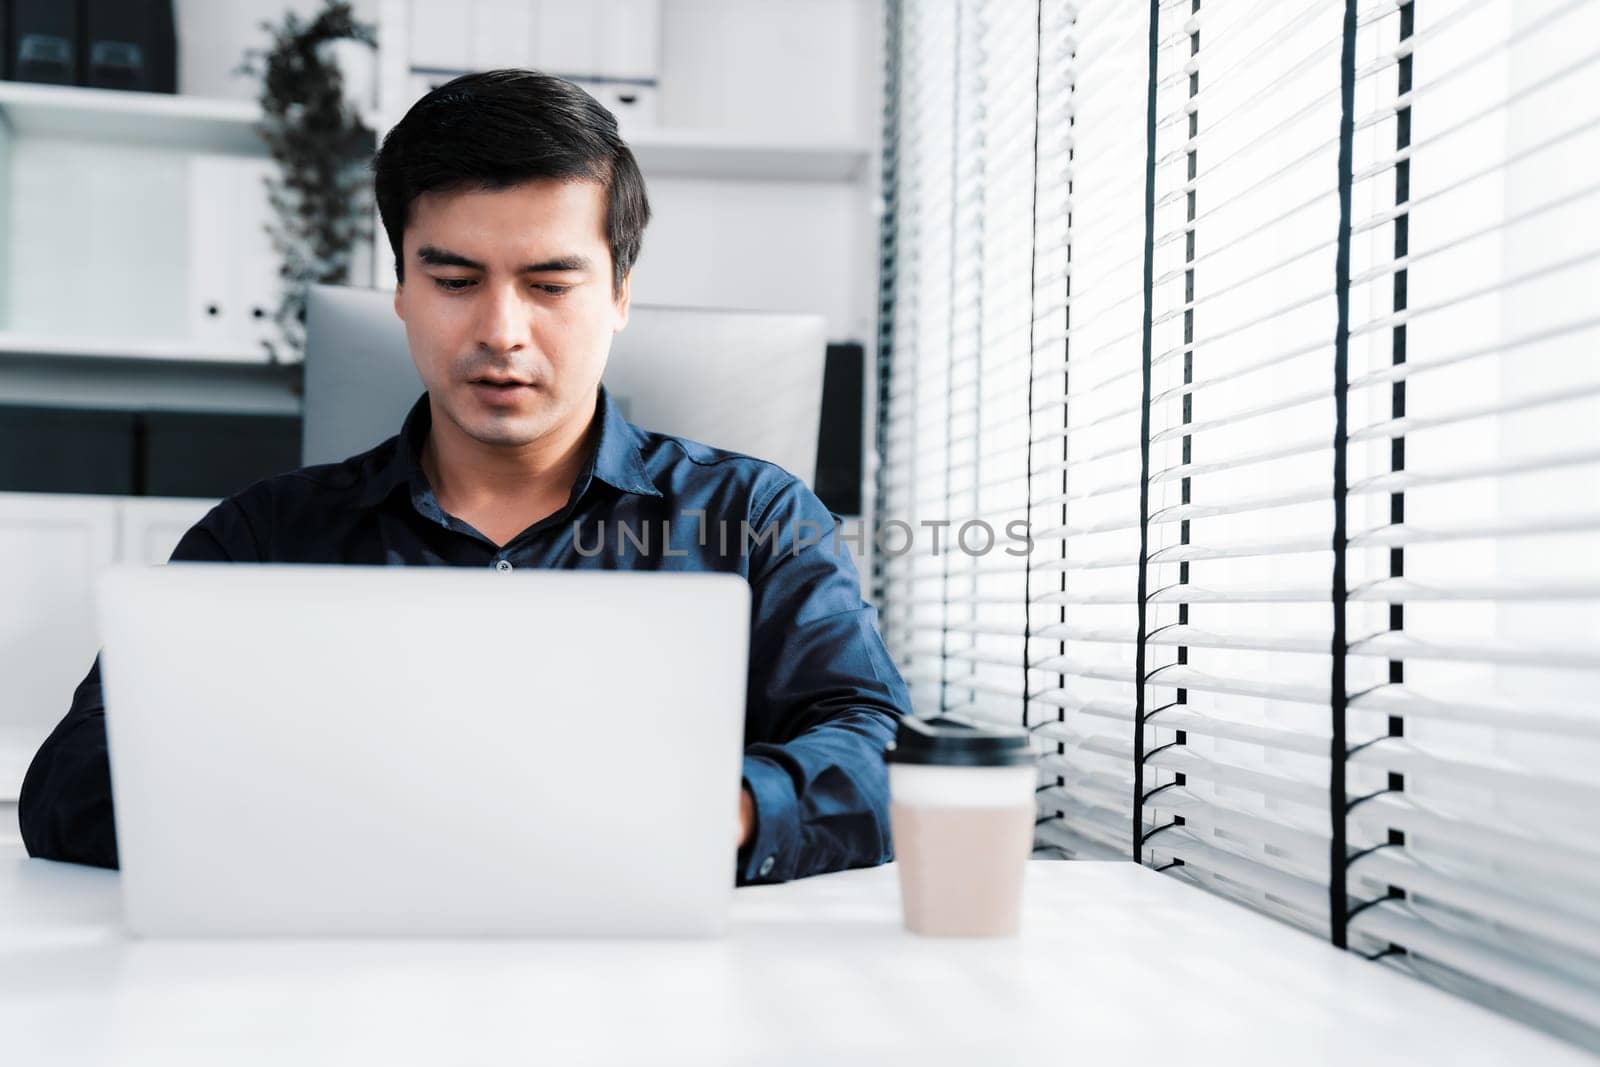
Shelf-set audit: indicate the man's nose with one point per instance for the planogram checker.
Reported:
(502, 321)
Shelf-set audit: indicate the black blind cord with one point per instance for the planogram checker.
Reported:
(1338, 900)
(1033, 317)
(950, 347)
(888, 250)
(1144, 434)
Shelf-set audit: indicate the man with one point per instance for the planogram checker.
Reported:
(515, 212)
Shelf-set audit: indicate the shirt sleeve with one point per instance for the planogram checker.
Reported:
(64, 809)
(823, 701)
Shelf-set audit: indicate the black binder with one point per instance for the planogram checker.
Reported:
(42, 42)
(129, 44)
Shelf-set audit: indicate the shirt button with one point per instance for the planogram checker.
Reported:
(503, 566)
(766, 866)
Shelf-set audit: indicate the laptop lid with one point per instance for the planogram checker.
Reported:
(376, 750)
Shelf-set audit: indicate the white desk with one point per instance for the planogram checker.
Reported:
(1117, 965)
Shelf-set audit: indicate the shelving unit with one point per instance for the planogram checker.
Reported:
(97, 225)
(151, 119)
(145, 261)
(183, 124)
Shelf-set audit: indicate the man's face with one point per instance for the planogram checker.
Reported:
(508, 306)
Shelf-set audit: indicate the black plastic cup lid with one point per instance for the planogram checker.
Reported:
(952, 741)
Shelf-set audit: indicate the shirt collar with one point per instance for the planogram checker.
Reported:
(616, 459)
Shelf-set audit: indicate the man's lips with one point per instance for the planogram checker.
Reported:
(501, 390)
(501, 381)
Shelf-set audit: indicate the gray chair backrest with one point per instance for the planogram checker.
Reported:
(741, 380)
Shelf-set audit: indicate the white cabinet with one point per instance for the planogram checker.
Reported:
(610, 47)
(604, 40)
(234, 288)
(52, 550)
(501, 32)
(149, 528)
(630, 40)
(102, 177)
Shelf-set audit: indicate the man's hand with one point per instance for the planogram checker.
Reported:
(747, 814)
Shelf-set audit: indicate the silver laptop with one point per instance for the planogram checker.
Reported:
(413, 750)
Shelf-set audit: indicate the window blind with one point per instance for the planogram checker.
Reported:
(915, 466)
(1084, 421)
(1474, 489)
(1275, 322)
(955, 460)
(1239, 521)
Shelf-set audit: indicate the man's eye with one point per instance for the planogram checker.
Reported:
(456, 285)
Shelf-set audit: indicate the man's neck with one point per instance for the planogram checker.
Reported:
(502, 490)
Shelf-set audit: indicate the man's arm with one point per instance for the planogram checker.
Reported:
(823, 701)
(65, 806)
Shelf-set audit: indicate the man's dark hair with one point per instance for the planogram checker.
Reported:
(499, 128)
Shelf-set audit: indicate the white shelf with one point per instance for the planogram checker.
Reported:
(145, 375)
(712, 154)
(190, 123)
(51, 346)
(682, 153)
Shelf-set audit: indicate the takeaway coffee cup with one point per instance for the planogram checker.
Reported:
(961, 810)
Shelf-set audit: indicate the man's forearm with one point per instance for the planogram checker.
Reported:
(821, 800)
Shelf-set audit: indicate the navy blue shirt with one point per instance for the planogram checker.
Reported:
(823, 695)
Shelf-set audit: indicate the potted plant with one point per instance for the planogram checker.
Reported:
(321, 196)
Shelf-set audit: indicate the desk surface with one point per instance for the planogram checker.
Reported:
(1116, 965)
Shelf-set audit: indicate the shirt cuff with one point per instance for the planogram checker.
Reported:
(772, 853)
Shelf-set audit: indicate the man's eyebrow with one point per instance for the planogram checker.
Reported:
(435, 256)
(558, 264)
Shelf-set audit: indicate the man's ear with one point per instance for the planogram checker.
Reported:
(399, 288)
(624, 295)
